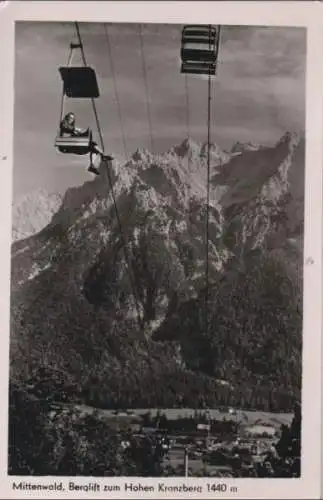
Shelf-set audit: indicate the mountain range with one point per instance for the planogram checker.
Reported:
(116, 302)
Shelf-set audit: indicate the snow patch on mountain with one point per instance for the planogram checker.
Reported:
(32, 212)
(264, 197)
(240, 147)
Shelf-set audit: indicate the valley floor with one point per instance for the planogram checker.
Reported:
(245, 417)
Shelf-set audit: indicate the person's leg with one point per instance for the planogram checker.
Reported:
(92, 168)
(97, 150)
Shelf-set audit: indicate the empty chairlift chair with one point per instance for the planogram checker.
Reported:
(199, 49)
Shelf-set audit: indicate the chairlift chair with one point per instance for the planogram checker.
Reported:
(79, 82)
(199, 49)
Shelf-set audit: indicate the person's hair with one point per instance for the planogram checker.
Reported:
(70, 114)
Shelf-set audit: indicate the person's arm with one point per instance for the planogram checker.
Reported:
(79, 131)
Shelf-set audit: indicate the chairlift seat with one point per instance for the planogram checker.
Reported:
(198, 68)
(197, 55)
(73, 145)
(79, 82)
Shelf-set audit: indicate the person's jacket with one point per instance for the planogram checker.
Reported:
(70, 129)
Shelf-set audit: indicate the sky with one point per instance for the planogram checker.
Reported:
(258, 94)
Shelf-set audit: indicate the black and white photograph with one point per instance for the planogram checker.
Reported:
(156, 291)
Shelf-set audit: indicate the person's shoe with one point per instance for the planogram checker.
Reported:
(93, 170)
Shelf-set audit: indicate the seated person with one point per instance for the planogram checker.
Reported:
(67, 126)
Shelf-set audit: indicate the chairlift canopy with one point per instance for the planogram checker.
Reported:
(79, 82)
(199, 30)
